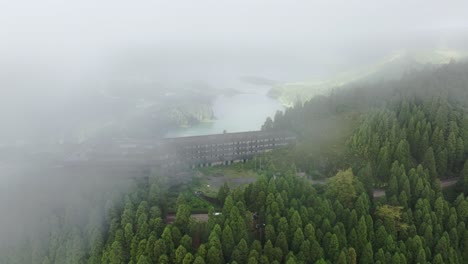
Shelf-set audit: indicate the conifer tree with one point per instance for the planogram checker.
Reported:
(430, 163)
(464, 176)
(367, 255)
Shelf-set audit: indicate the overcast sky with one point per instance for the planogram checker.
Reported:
(50, 48)
(47, 33)
(40, 29)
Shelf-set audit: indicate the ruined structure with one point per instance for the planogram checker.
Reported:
(195, 151)
(223, 149)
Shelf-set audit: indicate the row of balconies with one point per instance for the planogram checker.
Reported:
(234, 143)
(227, 155)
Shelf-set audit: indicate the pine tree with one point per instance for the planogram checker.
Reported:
(116, 254)
(182, 217)
(188, 259)
(441, 117)
(424, 144)
(283, 225)
(268, 125)
(430, 163)
(421, 258)
(305, 251)
(342, 258)
(282, 242)
(464, 176)
(164, 259)
(223, 192)
(298, 239)
(383, 164)
(186, 242)
(241, 252)
(316, 251)
(367, 255)
(464, 245)
(295, 222)
(379, 257)
(402, 153)
(214, 256)
(460, 150)
(361, 235)
(159, 248)
(352, 257)
(180, 254)
(437, 139)
(464, 132)
(270, 233)
(199, 260)
(333, 247)
(451, 150)
(227, 242)
(143, 260)
(441, 162)
(268, 251)
(438, 259)
(392, 186)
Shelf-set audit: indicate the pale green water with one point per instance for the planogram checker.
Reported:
(246, 111)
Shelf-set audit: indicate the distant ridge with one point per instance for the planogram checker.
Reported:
(391, 67)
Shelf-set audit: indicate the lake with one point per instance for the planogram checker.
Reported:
(245, 111)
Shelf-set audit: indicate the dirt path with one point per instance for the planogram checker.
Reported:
(449, 182)
(443, 183)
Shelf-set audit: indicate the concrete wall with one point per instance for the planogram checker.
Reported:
(226, 148)
(198, 151)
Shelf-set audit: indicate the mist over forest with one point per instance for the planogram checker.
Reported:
(106, 106)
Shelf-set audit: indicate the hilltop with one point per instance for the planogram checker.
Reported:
(392, 67)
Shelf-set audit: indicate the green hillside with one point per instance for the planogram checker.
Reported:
(400, 137)
(389, 68)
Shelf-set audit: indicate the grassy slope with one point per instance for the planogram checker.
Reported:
(209, 180)
(391, 67)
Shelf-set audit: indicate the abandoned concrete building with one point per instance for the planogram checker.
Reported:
(224, 149)
(195, 151)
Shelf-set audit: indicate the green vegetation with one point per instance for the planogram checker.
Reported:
(369, 125)
(392, 67)
(405, 136)
(196, 202)
(208, 180)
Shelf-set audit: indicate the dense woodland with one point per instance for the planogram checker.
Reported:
(403, 136)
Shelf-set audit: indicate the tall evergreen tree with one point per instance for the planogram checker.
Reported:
(430, 163)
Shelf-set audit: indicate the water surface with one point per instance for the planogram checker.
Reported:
(245, 111)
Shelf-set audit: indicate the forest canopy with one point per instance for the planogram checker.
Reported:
(405, 137)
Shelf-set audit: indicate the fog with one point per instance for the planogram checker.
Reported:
(60, 59)
(54, 52)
